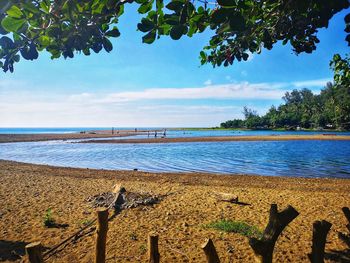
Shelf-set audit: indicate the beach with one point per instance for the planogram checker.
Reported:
(4, 138)
(89, 137)
(28, 190)
(228, 139)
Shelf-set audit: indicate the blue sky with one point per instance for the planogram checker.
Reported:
(158, 85)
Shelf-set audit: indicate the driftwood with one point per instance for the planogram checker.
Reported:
(319, 238)
(263, 248)
(111, 203)
(346, 212)
(210, 251)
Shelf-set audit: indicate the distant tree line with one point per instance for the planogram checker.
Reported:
(301, 108)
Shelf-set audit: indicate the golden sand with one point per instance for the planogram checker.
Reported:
(27, 191)
(322, 137)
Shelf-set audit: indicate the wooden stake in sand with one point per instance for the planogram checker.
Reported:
(34, 252)
(210, 251)
(319, 238)
(263, 248)
(346, 212)
(153, 253)
(101, 236)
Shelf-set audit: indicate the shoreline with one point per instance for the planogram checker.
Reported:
(28, 190)
(36, 137)
(9, 138)
(228, 138)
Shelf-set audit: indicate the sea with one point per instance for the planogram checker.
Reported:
(314, 159)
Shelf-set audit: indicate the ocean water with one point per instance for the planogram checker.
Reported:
(169, 132)
(273, 158)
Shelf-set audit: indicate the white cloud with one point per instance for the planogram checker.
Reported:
(148, 107)
(244, 90)
(244, 73)
(208, 82)
(311, 83)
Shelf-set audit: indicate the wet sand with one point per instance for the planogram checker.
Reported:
(4, 138)
(228, 138)
(27, 191)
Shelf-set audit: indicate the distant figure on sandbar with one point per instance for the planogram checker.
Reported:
(148, 134)
(164, 134)
(135, 129)
(112, 130)
(155, 134)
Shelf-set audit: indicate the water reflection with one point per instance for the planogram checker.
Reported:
(286, 158)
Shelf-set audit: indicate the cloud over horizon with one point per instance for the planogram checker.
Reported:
(200, 106)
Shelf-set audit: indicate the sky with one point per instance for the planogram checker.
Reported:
(159, 85)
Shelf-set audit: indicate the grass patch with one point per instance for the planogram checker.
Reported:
(48, 219)
(231, 226)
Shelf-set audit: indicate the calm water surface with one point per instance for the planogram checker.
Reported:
(285, 158)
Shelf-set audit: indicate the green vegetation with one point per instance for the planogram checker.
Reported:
(235, 227)
(328, 110)
(48, 219)
(143, 249)
(240, 27)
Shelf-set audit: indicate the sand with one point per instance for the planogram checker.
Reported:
(27, 191)
(4, 138)
(322, 137)
(91, 135)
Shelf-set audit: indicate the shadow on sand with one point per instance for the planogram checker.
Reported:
(11, 250)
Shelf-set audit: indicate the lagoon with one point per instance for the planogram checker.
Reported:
(272, 158)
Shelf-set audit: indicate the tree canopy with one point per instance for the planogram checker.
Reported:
(64, 27)
(302, 108)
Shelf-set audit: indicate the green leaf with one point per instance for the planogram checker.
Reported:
(144, 8)
(219, 16)
(6, 43)
(227, 3)
(44, 40)
(149, 38)
(175, 5)
(30, 7)
(107, 45)
(12, 24)
(237, 22)
(145, 25)
(45, 7)
(14, 12)
(29, 53)
(113, 33)
(177, 31)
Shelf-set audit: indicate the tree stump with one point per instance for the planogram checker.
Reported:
(210, 251)
(319, 238)
(34, 252)
(346, 212)
(263, 248)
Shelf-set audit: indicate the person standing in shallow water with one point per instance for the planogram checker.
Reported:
(155, 134)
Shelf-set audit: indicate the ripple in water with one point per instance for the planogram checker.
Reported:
(285, 158)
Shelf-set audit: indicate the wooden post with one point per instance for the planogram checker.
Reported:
(34, 252)
(346, 212)
(263, 248)
(210, 251)
(319, 237)
(153, 253)
(101, 236)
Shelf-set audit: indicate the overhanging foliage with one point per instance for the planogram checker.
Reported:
(63, 27)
